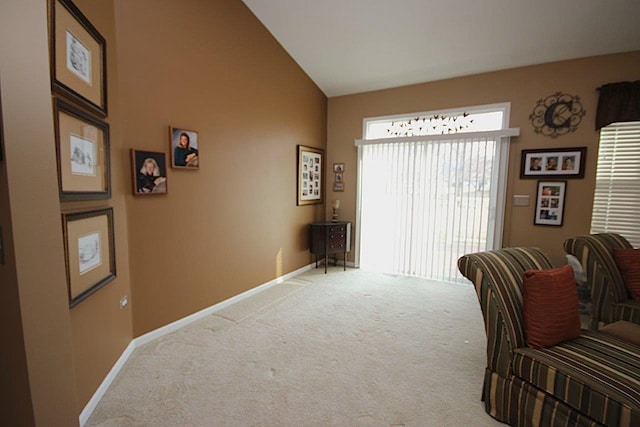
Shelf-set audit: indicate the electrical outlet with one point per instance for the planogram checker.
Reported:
(124, 301)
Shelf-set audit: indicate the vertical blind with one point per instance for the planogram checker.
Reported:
(424, 204)
(616, 205)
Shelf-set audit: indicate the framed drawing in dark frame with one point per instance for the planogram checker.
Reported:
(550, 199)
(310, 179)
(82, 148)
(89, 252)
(553, 162)
(78, 57)
(148, 173)
(185, 149)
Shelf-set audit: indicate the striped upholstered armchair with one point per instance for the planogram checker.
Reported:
(592, 380)
(610, 298)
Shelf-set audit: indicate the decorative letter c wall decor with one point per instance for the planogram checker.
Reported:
(557, 114)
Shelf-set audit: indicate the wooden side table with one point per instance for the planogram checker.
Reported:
(330, 238)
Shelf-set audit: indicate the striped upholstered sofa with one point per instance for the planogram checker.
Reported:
(593, 380)
(610, 298)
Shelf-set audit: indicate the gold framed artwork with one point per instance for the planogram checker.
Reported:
(89, 252)
(82, 148)
(338, 186)
(78, 56)
(338, 167)
(148, 172)
(310, 176)
(184, 146)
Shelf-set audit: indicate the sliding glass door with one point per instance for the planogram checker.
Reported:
(425, 200)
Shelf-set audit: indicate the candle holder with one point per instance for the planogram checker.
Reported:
(335, 205)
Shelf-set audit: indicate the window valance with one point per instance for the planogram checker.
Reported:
(618, 102)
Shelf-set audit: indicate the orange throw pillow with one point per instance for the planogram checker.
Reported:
(628, 261)
(550, 303)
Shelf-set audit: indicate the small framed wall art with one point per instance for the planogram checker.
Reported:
(78, 55)
(550, 203)
(310, 175)
(148, 172)
(557, 162)
(82, 148)
(184, 148)
(89, 252)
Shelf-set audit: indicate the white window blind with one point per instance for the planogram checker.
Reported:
(616, 205)
(425, 204)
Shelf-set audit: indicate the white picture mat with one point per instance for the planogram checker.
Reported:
(311, 176)
(575, 158)
(550, 203)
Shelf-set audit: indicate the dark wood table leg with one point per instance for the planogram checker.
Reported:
(345, 261)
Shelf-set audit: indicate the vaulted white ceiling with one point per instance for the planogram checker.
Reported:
(351, 46)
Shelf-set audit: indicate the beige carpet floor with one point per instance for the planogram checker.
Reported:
(344, 349)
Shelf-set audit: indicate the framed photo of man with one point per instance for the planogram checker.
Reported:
(185, 150)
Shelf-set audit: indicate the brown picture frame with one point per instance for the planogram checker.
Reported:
(78, 57)
(338, 167)
(550, 203)
(338, 186)
(83, 154)
(146, 182)
(310, 178)
(89, 250)
(565, 163)
(180, 156)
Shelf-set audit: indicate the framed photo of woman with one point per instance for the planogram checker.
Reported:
(185, 152)
(148, 172)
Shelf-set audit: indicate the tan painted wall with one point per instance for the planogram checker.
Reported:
(15, 394)
(100, 329)
(37, 275)
(522, 87)
(210, 66)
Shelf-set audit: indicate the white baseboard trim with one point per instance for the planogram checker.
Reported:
(102, 389)
(171, 327)
(181, 323)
